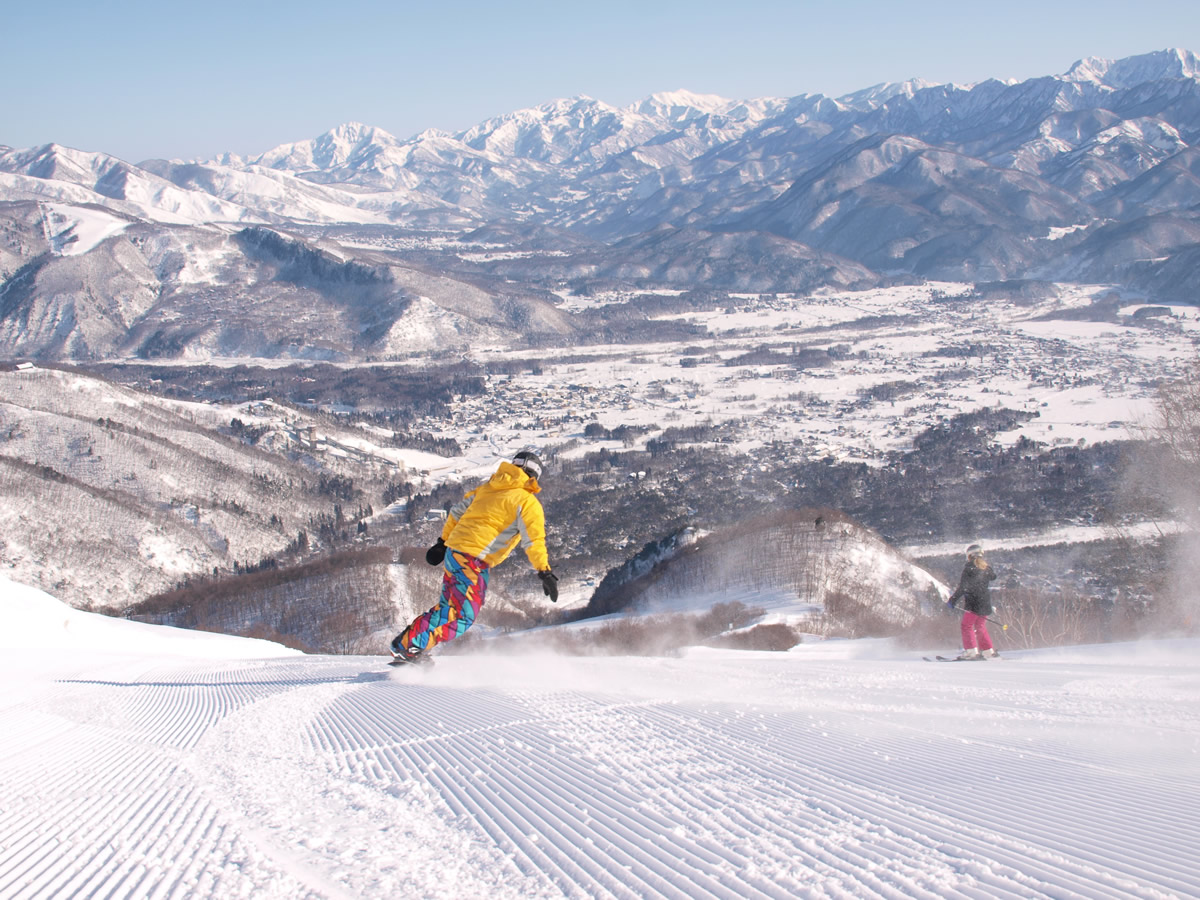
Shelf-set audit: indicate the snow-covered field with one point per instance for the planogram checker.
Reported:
(1085, 381)
(165, 764)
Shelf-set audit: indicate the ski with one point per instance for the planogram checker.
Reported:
(956, 659)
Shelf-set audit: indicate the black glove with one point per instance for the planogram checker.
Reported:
(435, 554)
(950, 606)
(549, 585)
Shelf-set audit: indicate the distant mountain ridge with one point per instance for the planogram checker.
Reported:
(1046, 178)
(1134, 70)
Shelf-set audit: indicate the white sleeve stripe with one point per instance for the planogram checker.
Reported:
(501, 540)
(526, 540)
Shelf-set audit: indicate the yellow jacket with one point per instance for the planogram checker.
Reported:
(491, 520)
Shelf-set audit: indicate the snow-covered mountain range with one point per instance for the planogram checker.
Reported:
(1092, 175)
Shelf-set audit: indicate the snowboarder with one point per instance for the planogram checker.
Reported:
(481, 530)
(973, 590)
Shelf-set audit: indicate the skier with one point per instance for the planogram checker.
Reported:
(480, 531)
(977, 605)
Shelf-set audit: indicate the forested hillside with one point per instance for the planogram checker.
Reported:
(108, 495)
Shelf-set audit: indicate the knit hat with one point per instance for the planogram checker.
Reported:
(973, 551)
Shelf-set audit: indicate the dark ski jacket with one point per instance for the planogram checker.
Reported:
(973, 588)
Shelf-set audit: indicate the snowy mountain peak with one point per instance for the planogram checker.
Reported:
(555, 131)
(57, 163)
(327, 151)
(563, 111)
(352, 139)
(353, 134)
(1134, 70)
(432, 134)
(879, 94)
(231, 160)
(681, 105)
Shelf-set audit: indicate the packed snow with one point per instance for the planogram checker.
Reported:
(140, 761)
(74, 230)
(36, 622)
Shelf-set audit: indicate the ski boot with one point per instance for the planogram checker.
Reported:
(402, 655)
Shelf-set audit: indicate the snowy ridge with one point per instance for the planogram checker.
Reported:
(986, 170)
(839, 769)
(879, 94)
(1123, 73)
(334, 148)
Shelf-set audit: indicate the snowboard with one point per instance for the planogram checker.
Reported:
(423, 661)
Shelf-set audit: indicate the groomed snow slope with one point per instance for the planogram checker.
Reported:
(837, 770)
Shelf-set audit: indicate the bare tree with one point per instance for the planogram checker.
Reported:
(1036, 617)
(1176, 428)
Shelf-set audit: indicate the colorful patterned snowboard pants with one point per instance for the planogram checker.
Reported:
(463, 587)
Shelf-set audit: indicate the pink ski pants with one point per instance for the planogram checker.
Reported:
(974, 632)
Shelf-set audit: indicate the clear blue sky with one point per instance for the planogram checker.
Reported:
(147, 78)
